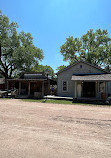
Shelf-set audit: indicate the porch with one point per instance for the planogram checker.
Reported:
(27, 88)
(91, 87)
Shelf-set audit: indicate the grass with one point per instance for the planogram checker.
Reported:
(5, 98)
(52, 101)
(63, 102)
(48, 101)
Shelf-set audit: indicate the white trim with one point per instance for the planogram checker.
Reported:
(66, 86)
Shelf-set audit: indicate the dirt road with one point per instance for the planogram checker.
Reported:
(37, 130)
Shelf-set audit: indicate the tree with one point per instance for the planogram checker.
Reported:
(61, 67)
(17, 51)
(42, 68)
(93, 47)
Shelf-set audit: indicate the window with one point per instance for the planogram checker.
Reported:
(64, 86)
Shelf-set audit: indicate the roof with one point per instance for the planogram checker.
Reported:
(95, 66)
(39, 76)
(99, 77)
(32, 80)
(33, 75)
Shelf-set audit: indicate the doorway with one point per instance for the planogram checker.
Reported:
(89, 89)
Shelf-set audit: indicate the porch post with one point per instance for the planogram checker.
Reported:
(99, 94)
(75, 90)
(96, 89)
(106, 88)
(19, 87)
(43, 88)
(28, 88)
(7, 85)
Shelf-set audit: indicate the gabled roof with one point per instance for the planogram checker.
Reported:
(38, 75)
(30, 76)
(33, 75)
(95, 66)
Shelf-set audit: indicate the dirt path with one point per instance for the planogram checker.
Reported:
(37, 130)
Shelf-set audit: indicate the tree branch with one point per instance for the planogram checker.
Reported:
(2, 72)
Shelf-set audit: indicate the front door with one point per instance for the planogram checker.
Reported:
(89, 89)
(79, 90)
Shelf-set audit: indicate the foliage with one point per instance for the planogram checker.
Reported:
(61, 67)
(17, 51)
(46, 69)
(93, 47)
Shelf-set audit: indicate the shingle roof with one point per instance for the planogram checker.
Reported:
(101, 77)
(39, 76)
(34, 76)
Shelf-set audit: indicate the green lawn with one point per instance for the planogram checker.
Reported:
(59, 102)
(49, 101)
(63, 102)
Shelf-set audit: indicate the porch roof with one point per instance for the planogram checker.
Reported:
(101, 77)
(32, 80)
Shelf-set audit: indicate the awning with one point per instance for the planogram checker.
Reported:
(101, 77)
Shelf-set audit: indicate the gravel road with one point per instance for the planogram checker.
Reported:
(42, 130)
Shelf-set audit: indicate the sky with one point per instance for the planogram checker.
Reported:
(50, 22)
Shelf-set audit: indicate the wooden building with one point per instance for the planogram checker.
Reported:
(84, 80)
(30, 85)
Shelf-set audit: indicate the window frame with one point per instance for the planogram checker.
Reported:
(65, 86)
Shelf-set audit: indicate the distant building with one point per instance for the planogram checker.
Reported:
(30, 85)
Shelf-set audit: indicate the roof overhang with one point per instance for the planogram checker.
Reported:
(101, 77)
(31, 80)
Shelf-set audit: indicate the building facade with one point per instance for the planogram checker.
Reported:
(83, 80)
(30, 85)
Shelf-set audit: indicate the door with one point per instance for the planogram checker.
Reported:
(89, 89)
(79, 88)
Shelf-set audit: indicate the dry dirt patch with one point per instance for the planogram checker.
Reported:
(41, 130)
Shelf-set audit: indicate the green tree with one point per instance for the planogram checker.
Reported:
(42, 68)
(93, 47)
(17, 51)
(61, 67)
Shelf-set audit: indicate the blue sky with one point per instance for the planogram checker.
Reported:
(51, 21)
